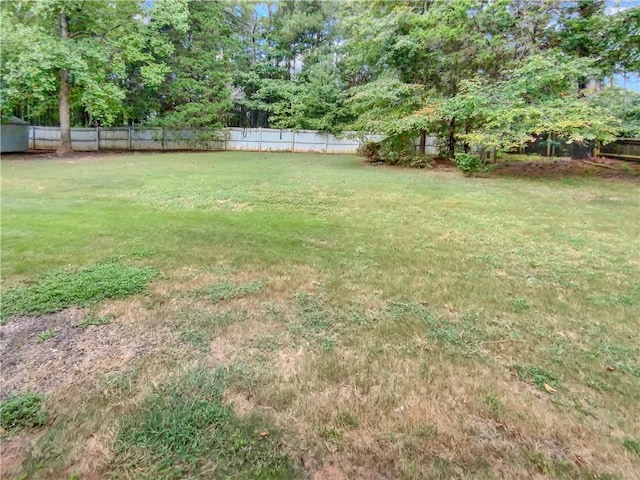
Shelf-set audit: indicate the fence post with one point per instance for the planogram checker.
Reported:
(260, 139)
(326, 142)
(33, 137)
(162, 136)
(97, 139)
(129, 136)
(293, 140)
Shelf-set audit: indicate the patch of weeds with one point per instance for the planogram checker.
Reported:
(313, 323)
(624, 358)
(490, 260)
(22, 411)
(309, 303)
(538, 376)
(62, 288)
(613, 300)
(267, 343)
(329, 433)
(632, 445)
(464, 336)
(345, 419)
(520, 304)
(93, 320)
(198, 328)
(226, 269)
(48, 334)
(494, 403)
(325, 344)
(355, 319)
(227, 290)
(184, 430)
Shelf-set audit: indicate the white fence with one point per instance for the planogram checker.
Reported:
(250, 139)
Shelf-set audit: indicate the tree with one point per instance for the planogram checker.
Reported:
(539, 98)
(619, 103)
(77, 51)
(195, 90)
(288, 76)
(428, 48)
(484, 72)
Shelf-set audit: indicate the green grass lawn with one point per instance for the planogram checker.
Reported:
(308, 316)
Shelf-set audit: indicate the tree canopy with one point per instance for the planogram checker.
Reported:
(489, 73)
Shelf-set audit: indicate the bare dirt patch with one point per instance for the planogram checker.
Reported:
(606, 168)
(69, 357)
(565, 167)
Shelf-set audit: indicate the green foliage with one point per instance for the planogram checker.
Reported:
(468, 163)
(184, 429)
(632, 445)
(494, 403)
(520, 304)
(315, 100)
(48, 334)
(537, 375)
(470, 72)
(22, 411)
(540, 96)
(102, 41)
(621, 104)
(346, 419)
(62, 288)
(194, 91)
(394, 150)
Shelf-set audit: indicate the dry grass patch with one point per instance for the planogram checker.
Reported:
(430, 418)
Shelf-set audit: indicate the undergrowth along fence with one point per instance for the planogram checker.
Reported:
(622, 148)
(279, 140)
(249, 139)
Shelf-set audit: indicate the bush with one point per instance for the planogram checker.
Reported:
(370, 150)
(395, 150)
(468, 163)
(22, 411)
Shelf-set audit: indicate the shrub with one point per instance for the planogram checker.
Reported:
(394, 150)
(370, 150)
(468, 163)
(22, 411)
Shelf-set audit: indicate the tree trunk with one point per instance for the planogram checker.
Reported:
(423, 142)
(452, 138)
(64, 107)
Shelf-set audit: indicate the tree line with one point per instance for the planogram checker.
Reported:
(488, 74)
